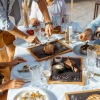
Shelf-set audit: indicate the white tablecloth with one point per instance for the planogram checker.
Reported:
(58, 89)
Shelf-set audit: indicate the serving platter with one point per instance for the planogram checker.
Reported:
(84, 95)
(28, 91)
(68, 76)
(39, 54)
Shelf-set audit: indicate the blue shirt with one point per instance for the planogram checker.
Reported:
(94, 24)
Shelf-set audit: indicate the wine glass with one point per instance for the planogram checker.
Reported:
(90, 64)
(46, 73)
(88, 75)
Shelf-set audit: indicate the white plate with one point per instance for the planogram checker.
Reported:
(22, 75)
(48, 95)
(22, 43)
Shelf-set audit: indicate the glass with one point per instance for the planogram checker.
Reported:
(42, 31)
(56, 19)
(35, 75)
(67, 21)
(90, 64)
(91, 55)
(45, 72)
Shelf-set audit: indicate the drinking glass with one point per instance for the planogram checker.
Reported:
(56, 19)
(90, 64)
(35, 75)
(46, 73)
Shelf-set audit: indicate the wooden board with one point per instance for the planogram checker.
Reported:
(38, 53)
(71, 77)
(81, 95)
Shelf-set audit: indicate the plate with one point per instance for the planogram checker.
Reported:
(48, 94)
(22, 43)
(39, 54)
(77, 51)
(84, 95)
(22, 75)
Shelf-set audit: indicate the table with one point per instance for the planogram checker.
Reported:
(59, 90)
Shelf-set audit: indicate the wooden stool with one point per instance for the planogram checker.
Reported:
(97, 3)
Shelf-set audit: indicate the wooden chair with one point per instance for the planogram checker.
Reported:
(97, 3)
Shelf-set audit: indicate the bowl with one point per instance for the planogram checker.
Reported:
(83, 49)
(58, 58)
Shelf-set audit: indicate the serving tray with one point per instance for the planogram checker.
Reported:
(68, 76)
(83, 95)
(39, 54)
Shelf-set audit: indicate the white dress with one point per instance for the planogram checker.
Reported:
(58, 7)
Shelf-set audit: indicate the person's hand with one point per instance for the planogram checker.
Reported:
(48, 30)
(32, 39)
(15, 83)
(17, 60)
(34, 22)
(85, 35)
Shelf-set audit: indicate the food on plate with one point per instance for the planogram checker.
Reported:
(83, 48)
(30, 95)
(98, 48)
(94, 97)
(49, 49)
(58, 68)
(25, 69)
(30, 32)
(71, 64)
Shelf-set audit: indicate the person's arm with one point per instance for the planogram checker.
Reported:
(16, 83)
(6, 24)
(43, 8)
(14, 62)
(91, 28)
(48, 23)
(94, 24)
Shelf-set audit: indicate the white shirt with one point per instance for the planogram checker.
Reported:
(58, 7)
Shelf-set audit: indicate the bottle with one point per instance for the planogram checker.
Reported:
(69, 34)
